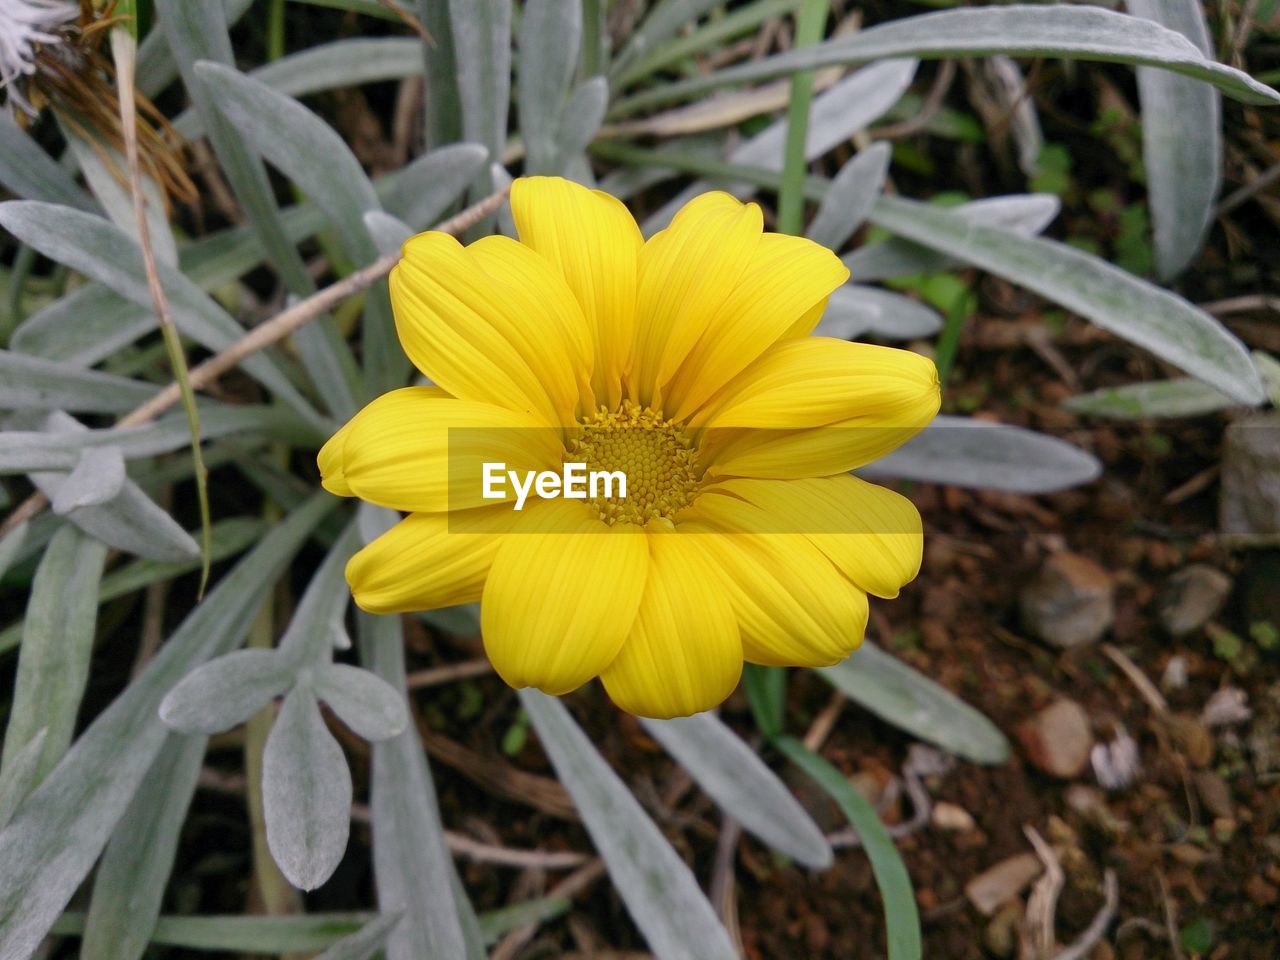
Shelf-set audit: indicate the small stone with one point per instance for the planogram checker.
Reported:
(1058, 739)
(1192, 739)
(1115, 762)
(1175, 673)
(1250, 490)
(1227, 707)
(1214, 794)
(949, 816)
(1191, 597)
(1001, 935)
(1260, 892)
(1000, 883)
(1188, 854)
(1070, 603)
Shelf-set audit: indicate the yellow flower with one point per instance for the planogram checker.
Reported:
(686, 363)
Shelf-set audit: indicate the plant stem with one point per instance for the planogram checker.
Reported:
(810, 24)
(124, 48)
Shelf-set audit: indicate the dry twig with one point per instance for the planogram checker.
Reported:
(1042, 905)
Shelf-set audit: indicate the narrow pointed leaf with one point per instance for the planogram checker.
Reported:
(481, 32)
(389, 233)
(735, 777)
(1159, 321)
(906, 698)
(425, 189)
(1020, 30)
(658, 888)
(102, 251)
(33, 383)
(413, 869)
(364, 943)
(849, 199)
(582, 117)
(28, 172)
(1181, 140)
(130, 883)
(57, 644)
(196, 32)
(1024, 214)
(327, 66)
(59, 831)
(835, 116)
(982, 455)
(901, 916)
(1158, 398)
(18, 776)
(550, 34)
(854, 310)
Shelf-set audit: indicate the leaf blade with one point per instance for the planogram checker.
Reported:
(659, 890)
(1141, 313)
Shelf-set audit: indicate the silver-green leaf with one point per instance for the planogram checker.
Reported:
(1181, 140)
(849, 199)
(226, 692)
(963, 452)
(59, 831)
(658, 888)
(306, 792)
(735, 777)
(365, 702)
(906, 698)
(1156, 319)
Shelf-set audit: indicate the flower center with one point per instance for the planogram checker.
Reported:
(658, 459)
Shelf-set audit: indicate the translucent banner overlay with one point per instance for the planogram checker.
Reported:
(757, 481)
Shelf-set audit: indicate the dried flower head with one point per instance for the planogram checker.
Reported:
(53, 54)
(28, 28)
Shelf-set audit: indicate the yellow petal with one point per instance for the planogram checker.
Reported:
(872, 535)
(427, 561)
(686, 273)
(593, 241)
(796, 454)
(793, 607)
(786, 284)
(551, 332)
(815, 381)
(684, 654)
(816, 407)
(459, 326)
(416, 450)
(561, 596)
(332, 464)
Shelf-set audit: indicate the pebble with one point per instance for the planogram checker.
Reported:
(1000, 883)
(1191, 597)
(1116, 762)
(1214, 794)
(1227, 707)
(1260, 892)
(1001, 935)
(1249, 499)
(949, 816)
(1191, 737)
(1058, 739)
(1070, 602)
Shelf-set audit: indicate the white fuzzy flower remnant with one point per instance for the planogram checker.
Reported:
(25, 25)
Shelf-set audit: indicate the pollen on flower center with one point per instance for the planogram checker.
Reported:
(659, 459)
